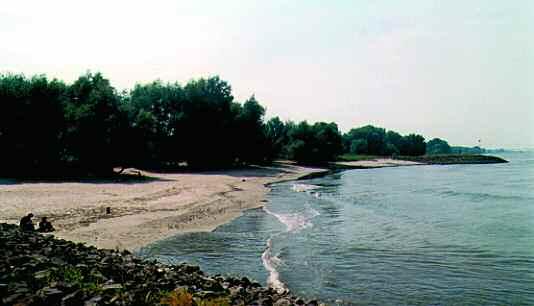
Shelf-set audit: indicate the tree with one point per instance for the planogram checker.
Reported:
(155, 112)
(276, 133)
(252, 146)
(310, 144)
(207, 123)
(31, 124)
(373, 136)
(95, 122)
(413, 145)
(359, 146)
(438, 146)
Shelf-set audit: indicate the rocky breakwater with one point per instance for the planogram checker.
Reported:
(37, 269)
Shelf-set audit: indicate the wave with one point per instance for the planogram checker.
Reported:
(294, 223)
(304, 187)
(480, 196)
(270, 263)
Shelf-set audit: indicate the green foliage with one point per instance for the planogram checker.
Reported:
(50, 128)
(366, 140)
(182, 297)
(413, 145)
(438, 146)
(31, 124)
(311, 144)
(359, 146)
(172, 124)
(370, 140)
(276, 132)
(178, 297)
(95, 125)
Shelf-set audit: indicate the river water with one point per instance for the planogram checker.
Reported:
(420, 235)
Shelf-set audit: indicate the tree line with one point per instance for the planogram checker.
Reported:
(48, 127)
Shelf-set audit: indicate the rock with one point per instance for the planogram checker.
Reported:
(11, 299)
(42, 275)
(245, 282)
(50, 296)
(212, 285)
(111, 287)
(266, 301)
(72, 299)
(38, 270)
(93, 301)
(207, 294)
(3, 289)
(282, 302)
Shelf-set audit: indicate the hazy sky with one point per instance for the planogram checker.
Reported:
(459, 70)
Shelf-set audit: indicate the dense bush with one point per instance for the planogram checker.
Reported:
(49, 128)
(370, 140)
(438, 146)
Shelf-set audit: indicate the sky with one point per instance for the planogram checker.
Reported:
(458, 70)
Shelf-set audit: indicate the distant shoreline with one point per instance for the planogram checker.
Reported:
(166, 204)
(374, 162)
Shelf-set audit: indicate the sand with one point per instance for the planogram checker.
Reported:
(147, 210)
(142, 211)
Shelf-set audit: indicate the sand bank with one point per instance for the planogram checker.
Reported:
(142, 211)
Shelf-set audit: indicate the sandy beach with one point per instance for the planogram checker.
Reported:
(154, 208)
(142, 211)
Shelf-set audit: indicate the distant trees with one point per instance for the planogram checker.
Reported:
(413, 145)
(370, 140)
(366, 140)
(315, 143)
(303, 142)
(438, 146)
(277, 136)
(48, 127)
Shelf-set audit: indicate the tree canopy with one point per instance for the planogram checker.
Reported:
(48, 127)
(371, 140)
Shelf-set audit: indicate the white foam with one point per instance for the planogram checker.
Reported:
(304, 187)
(293, 222)
(273, 280)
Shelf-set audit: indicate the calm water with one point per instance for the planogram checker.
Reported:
(425, 235)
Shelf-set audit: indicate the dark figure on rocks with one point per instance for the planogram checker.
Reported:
(45, 226)
(26, 223)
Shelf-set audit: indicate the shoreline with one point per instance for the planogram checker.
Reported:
(60, 272)
(159, 206)
(143, 212)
